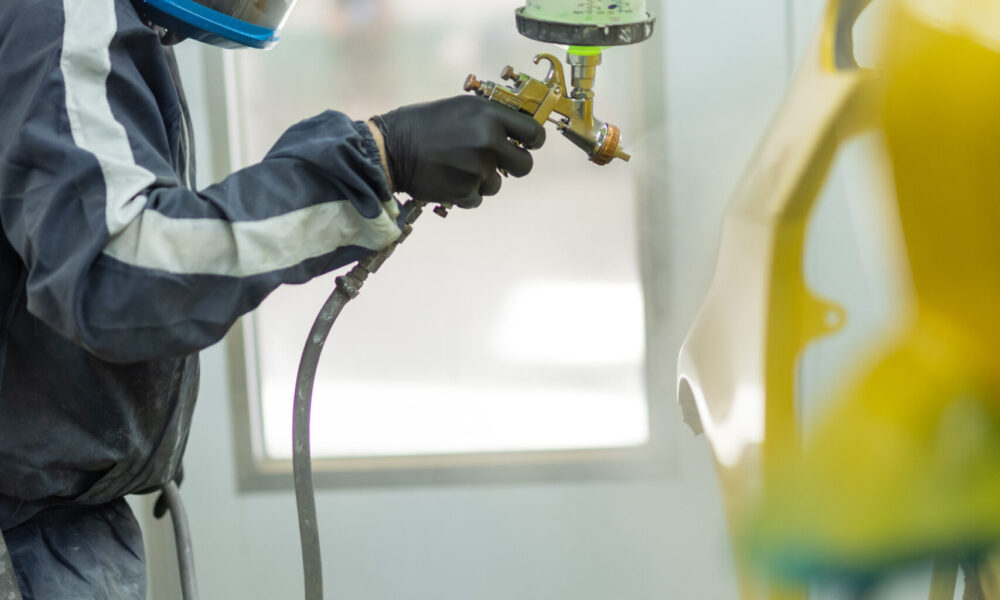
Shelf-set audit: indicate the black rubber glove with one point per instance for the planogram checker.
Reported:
(450, 150)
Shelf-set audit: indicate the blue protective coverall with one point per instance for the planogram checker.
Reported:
(114, 272)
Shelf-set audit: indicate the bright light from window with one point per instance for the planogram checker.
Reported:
(572, 323)
(352, 419)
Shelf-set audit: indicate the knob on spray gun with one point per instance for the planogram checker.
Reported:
(542, 98)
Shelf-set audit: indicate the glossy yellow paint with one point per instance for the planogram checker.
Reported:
(907, 465)
(737, 365)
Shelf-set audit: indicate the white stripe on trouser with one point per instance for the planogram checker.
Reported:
(149, 239)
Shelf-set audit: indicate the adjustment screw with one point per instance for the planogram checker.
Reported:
(508, 73)
(472, 84)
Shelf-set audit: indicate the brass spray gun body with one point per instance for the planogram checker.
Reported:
(543, 99)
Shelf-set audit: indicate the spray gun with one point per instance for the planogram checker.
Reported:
(587, 26)
(540, 99)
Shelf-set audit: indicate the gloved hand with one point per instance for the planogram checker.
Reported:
(449, 151)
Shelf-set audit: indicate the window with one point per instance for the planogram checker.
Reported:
(508, 335)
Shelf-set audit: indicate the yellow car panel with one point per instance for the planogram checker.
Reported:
(907, 464)
(737, 365)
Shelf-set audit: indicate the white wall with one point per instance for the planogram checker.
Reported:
(727, 63)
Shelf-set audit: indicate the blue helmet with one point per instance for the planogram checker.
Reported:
(226, 23)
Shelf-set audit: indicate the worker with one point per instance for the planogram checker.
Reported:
(115, 271)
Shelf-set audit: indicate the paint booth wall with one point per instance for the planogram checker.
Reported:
(725, 66)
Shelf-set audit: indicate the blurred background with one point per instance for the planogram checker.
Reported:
(496, 414)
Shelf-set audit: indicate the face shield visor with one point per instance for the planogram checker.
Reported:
(225, 23)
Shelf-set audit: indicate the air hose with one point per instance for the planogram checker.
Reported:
(9, 589)
(348, 287)
(170, 496)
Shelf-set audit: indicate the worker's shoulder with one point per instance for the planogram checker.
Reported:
(45, 20)
(31, 19)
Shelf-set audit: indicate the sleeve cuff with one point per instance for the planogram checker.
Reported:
(370, 149)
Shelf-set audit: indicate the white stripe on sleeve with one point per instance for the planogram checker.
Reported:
(146, 238)
(244, 248)
(86, 64)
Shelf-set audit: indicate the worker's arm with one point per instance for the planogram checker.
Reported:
(121, 256)
(126, 260)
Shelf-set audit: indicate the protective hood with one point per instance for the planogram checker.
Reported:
(225, 23)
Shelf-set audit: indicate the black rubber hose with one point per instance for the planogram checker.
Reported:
(348, 287)
(305, 499)
(182, 539)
